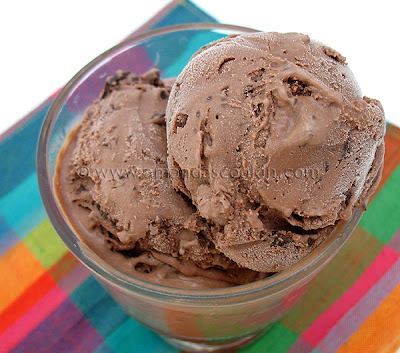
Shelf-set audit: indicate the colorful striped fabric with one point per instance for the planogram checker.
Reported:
(49, 302)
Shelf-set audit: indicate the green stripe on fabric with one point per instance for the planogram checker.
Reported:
(334, 280)
(382, 219)
(45, 244)
(278, 339)
(131, 336)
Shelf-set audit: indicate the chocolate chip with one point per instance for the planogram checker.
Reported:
(163, 94)
(114, 81)
(346, 148)
(258, 109)
(202, 238)
(180, 121)
(144, 268)
(310, 241)
(281, 240)
(249, 89)
(298, 87)
(103, 214)
(257, 75)
(81, 188)
(327, 166)
(348, 195)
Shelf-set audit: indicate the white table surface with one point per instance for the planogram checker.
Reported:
(44, 44)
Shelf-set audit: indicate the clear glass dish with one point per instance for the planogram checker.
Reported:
(194, 320)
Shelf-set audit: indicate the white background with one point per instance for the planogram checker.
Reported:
(44, 44)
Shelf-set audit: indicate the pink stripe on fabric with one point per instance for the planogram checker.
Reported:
(19, 330)
(316, 332)
(74, 278)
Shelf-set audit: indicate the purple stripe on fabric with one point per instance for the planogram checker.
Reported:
(65, 330)
(74, 278)
(300, 346)
(394, 243)
(90, 89)
(341, 332)
(17, 332)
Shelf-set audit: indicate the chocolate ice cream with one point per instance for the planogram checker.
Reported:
(271, 139)
(114, 187)
(270, 145)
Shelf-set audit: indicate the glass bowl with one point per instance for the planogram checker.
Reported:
(207, 320)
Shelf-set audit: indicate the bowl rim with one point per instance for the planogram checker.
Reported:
(309, 265)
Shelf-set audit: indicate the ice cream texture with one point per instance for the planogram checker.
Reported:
(113, 184)
(237, 169)
(282, 141)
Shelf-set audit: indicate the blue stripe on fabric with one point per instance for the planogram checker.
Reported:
(191, 42)
(187, 12)
(8, 238)
(133, 337)
(99, 308)
(342, 331)
(104, 348)
(22, 207)
(65, 330)
(18, 152)
(188, 44)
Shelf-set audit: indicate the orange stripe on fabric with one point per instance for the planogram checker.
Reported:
(24, 302)
(19, 268)
(11, 337)
(380, 331)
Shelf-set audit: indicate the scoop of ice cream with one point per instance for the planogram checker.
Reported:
(113, 183)
(269, 135)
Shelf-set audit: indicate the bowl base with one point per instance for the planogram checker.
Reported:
(222, 347)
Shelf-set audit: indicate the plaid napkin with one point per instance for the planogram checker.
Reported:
(49, 302)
